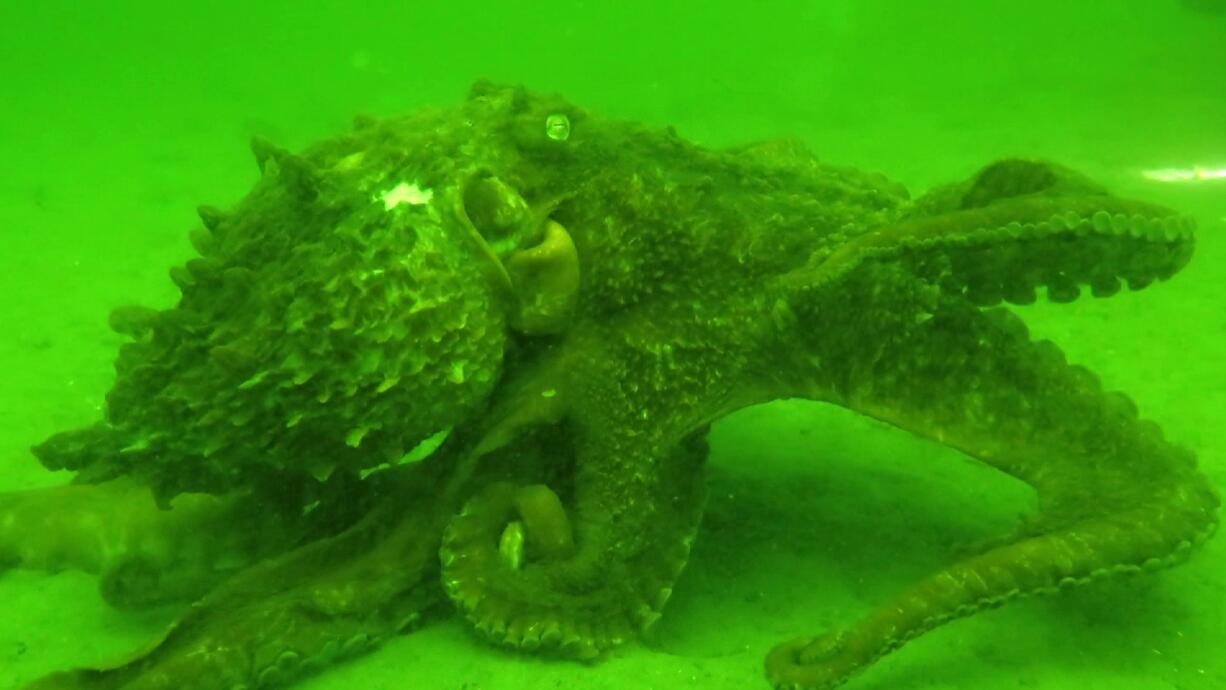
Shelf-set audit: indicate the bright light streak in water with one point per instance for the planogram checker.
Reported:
(1185, 174)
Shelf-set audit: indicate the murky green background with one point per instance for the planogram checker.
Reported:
(118, 118)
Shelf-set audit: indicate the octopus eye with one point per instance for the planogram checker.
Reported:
(557, 127)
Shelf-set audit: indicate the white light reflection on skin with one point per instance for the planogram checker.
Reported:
(1197, 174)
(405, 193)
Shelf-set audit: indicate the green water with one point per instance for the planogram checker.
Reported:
(117, 119)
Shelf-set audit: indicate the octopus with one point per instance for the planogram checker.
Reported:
(466, 359)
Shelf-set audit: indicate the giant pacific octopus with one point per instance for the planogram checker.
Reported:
(467, 358)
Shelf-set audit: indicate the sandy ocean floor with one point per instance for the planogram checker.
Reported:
(114, 133)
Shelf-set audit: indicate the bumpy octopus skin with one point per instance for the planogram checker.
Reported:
(634, 288)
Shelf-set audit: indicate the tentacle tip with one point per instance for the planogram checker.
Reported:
(809, 663)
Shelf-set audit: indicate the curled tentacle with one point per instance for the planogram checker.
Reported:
(546, 280)
(579, 600)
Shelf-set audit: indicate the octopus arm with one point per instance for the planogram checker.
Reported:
(1016, 227)
(294, 613)
(1114, 496)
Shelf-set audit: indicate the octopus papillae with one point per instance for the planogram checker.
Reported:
(468, 357)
